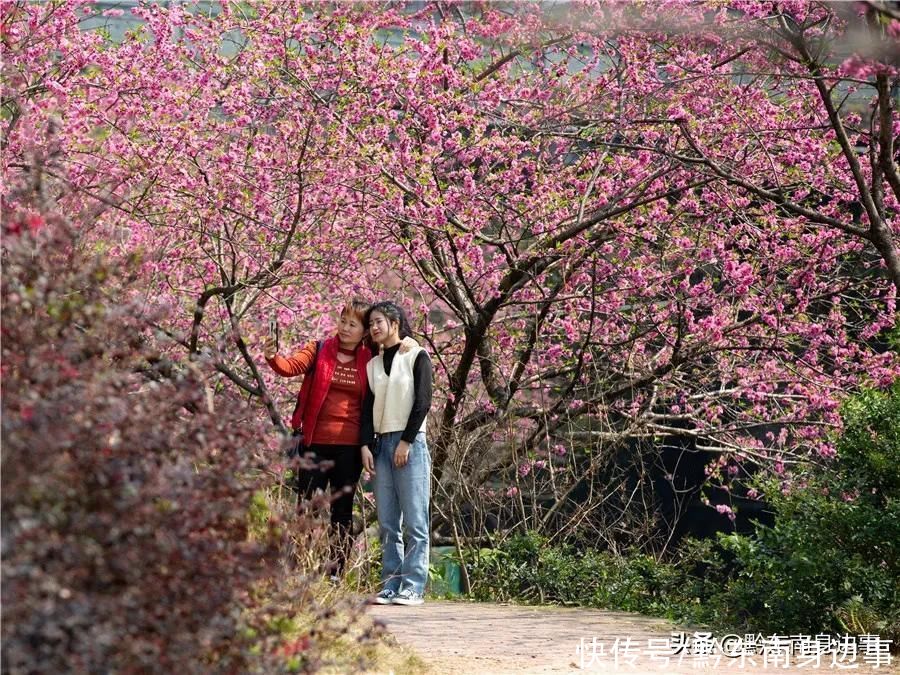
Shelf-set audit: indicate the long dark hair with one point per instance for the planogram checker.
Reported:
(393, 313)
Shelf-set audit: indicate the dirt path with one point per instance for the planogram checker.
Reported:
(459, 638)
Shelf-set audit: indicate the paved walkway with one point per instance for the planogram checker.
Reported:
(461, 638)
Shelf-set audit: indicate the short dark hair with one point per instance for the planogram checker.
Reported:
(392, 312)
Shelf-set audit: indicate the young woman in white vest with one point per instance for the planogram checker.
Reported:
(395, 451)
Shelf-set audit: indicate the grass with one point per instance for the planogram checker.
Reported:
(346, 639)
(306, 623)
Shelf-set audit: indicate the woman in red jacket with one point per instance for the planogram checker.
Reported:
(329, 410)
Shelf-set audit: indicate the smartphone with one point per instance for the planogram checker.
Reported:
(273, 331)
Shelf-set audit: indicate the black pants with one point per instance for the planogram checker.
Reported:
(334, 467)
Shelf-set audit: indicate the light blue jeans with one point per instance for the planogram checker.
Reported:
(402, 497)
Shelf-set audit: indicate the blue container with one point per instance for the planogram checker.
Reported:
(444, 574)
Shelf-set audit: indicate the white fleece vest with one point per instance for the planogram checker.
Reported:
(394, 393)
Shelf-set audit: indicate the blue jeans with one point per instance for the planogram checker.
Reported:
(402, 497)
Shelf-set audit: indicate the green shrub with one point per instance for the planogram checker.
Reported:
(528, 569)
(831, 562)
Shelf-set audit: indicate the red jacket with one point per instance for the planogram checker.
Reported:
(315, 386)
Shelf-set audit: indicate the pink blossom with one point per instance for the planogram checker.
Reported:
(726, 510)
(696, 305)
(826, 450)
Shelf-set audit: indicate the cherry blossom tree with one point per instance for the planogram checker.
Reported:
(616, 223)
(604, 279)
(207, 156)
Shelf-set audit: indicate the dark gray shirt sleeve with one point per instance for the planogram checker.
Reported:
(422, 388)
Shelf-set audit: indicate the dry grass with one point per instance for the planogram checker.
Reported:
(308, 623)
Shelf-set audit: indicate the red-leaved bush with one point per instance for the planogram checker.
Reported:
(125, 484)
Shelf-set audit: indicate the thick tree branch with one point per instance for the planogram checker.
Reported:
(886, 133)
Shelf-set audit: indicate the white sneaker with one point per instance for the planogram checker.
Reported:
(386, 597)
(407, 597)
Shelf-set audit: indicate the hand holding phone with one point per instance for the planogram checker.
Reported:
(272, 342)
